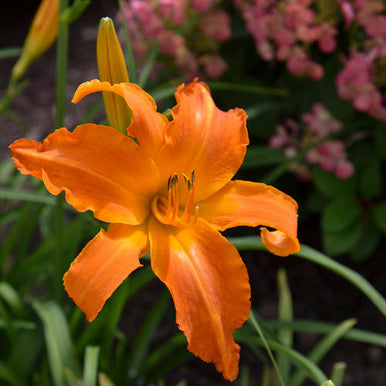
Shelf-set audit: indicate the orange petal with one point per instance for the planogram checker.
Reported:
(252, 204)
(147, 125)
(103, 264)
(209, 285)
(203, 138)
(99, 169)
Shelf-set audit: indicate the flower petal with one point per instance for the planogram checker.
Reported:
(147, 125)
(204, 139)
(99, 169)
(103, 264)
(252, 204)
(209, 285)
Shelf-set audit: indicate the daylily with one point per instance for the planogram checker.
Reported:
(41, 35)
(170, 193)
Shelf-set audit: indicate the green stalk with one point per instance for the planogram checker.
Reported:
(310, 254)
(61, 78)
(129, 56)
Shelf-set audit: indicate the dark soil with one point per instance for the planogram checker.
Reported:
(317, 294)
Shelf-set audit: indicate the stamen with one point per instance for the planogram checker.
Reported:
(175, 203)
(173, 200)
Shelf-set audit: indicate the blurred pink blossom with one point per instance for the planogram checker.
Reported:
(171, 42)
(214, 65)
(202, 5)
(329, 156)
(175, 10)
(216, 25)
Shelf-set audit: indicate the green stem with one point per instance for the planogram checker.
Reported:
(61, 67)
(61, 78)
(129, 56)
(13, 91)
(310, 254)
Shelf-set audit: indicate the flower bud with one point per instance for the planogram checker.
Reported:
(41, 35)
(112, 69)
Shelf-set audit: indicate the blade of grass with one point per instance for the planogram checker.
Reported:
(12, 236)
(321, 349)
(12, 299)
(310, 254)
(266, 376)
(61, 78)
(10, 52)
(244, 376)
(324, 328)
(144, 77)
(338, 373)
(129, 56)
(253, 321)
(298, 359)
(90, 367)
(12, 194)
(58, 340)
(142, 341)
(24, 353)
(248, 88)
(172, 362)
(93, 111)
(164, 351)
(285, 314)
(107, 321)
(7, 375)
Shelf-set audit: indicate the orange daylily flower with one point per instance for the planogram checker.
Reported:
(170, 195)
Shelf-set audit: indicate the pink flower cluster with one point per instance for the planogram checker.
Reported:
(363, 74)
(285, 29)
(188, 31)
(330, 155)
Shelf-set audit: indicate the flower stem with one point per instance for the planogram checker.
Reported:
(61, 77)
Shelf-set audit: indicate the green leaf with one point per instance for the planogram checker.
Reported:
(328, 184)
(90, 367)
(10, 52)
(367, 243)
(161, 353)
(337, 243)
(328, 383)
(370, 179)
(380, 216)
(12, 298)
(316, 257)
(321, 349)
(253, 321)
(338, 373)
(148, 329)
(353, 277)
(248, 88)
(25, 352)
(355, 334)
(380, 140)
(340, 213)
(58, 340)
(285, 314)
(298, 359)
(258, 156)
(7, 375)
(70, 14)
(316, 202)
